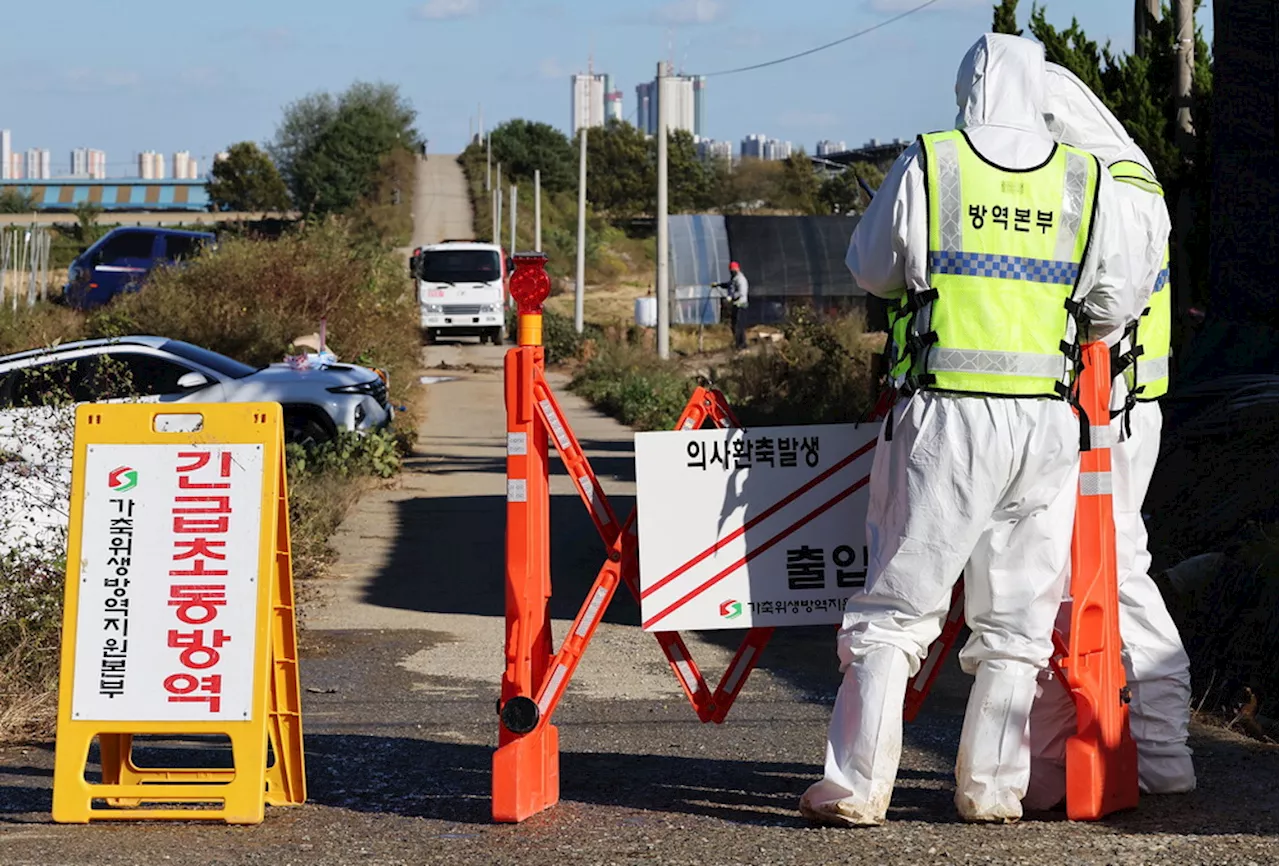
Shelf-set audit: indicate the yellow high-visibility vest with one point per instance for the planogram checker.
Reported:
(1148, 374)
(1005, 251)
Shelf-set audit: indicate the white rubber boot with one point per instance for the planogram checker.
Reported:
(864, 742)
(994, 762)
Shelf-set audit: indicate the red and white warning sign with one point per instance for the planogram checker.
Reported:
(166, 627)
(760, 527)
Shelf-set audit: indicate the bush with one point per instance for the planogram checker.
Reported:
(31, 583)
(41, 325)
(560, 342)
(634, 386)
(325, 481)
(819, 374)
(252, 298)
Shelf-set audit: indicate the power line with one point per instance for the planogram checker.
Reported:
(840, 41)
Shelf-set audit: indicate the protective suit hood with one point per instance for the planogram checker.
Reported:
(1001, 82)
(1076, 116)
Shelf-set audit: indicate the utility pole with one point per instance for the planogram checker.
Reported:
(1185, 25)
(1144, 11)
(1184, 212)
(488, 164)
(497, 214)
(515, 192)
(580, 276)
(664, 300)
(537, 210)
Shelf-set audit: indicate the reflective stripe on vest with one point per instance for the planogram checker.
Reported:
(1005, 250)
(1148, 376)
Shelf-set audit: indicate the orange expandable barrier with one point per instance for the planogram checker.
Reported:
(526, 765)
(1102, 758)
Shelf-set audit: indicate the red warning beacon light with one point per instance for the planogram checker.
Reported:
(529, 286)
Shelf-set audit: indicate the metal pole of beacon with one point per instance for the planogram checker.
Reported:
(526, 765)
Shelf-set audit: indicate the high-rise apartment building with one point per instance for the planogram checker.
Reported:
(39, 163)
(151, 165)
(613, 106)
(185, 167)
(699, 105)
(88, 162)
(685, 104)
(763, 147)
(827, 147)
(16, 166)
(589, 92)
(775, 149)
(6, 151)
(646, 105)
(709, 149)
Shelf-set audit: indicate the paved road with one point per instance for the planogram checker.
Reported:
(441, 208)
(401, 657)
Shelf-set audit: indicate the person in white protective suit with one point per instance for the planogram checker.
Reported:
(1156, 665)
(976, 465)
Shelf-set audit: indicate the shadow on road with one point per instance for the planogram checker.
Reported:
(450, 782)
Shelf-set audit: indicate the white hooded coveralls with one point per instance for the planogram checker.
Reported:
(980, 484)
(1156, 665)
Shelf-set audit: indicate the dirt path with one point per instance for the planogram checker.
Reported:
(441, 208)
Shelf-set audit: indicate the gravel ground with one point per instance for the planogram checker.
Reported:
(401, 655)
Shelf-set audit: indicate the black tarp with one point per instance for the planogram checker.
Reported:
(794, 260)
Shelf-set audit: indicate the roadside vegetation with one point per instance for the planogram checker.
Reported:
(345, 162)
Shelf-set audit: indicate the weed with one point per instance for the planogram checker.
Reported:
(819, 374)
(634, 386)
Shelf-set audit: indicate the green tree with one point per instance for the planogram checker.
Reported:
(247, 180)
(799, 185)
(1005, 18)
(87, 230)
(15, 200)
(747, 186)
(689, 179)
(621, 177)
(329, 148)
(524, 145)
(1138, 89)
(842, 194)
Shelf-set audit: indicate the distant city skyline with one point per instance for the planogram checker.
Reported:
(36, 163)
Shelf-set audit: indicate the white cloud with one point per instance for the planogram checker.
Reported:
(201, 76)
(550, 68)
(85, 79)
(448, 10)
(691, 12)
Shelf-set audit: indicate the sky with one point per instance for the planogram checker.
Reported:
(136, 75)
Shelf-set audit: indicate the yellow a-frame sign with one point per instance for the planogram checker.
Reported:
(179, 613)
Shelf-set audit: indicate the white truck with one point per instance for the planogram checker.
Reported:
(462, 290)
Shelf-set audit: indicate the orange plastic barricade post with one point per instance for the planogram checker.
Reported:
(526, 766)
(1102, 759)
(526, 776)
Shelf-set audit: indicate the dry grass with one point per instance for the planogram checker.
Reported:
(29, 689)
(38, 326)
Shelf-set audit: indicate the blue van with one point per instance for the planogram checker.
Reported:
(122, 258)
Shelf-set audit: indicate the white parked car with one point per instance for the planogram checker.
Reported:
(317, 402)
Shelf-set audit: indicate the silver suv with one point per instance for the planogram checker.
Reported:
(317, 403)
